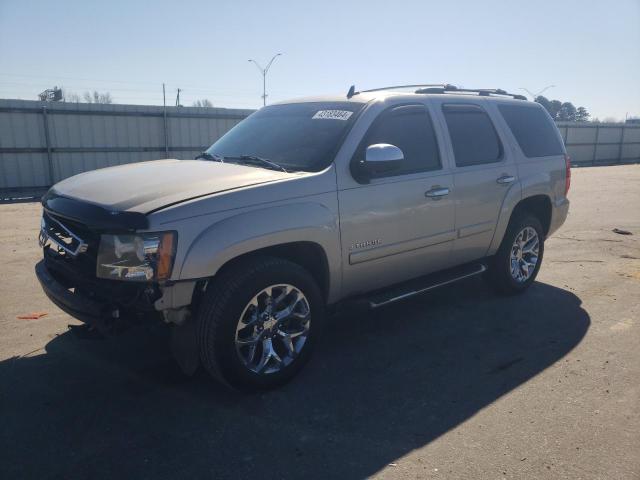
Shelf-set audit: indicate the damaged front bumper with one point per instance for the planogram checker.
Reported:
(107, 306)
(70, 236)
(109, 317)
(77, 306)
(111, 306)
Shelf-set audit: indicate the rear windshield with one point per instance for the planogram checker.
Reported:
(534, 130)
(297, 136)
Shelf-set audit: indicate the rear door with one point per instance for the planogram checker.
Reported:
(484, 171)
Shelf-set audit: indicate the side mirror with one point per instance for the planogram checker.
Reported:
(379, 158)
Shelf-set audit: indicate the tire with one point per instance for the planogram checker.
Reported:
(235, 309)
(500, 274)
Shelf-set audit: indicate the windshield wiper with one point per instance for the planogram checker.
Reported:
(253, 159)
(210, 156)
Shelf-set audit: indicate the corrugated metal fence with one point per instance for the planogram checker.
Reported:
(42, 143)
(601, 143)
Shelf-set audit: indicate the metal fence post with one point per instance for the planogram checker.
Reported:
(47, 140)
(595, 145)
(620, 147)
(164, 116)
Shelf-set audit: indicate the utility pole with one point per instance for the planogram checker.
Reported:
(264, 72)
(536, 95)
(164, 122)
(178, 98)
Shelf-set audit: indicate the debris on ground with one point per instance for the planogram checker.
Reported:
(621, 232)
(32, 316)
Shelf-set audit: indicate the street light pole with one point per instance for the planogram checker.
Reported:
(264, 72)
(536, 95)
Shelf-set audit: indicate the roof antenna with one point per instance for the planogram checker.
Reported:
(352, 91)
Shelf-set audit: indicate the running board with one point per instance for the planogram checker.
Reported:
(425, 284)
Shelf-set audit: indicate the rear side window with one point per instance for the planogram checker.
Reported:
(534, 130)
(473, 136)
(410, 129)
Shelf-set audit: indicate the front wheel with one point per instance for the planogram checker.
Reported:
(516, 264)
(259, 322)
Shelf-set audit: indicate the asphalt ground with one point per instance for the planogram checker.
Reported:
(458, 383)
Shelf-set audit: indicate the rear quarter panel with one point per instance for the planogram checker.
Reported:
(536, 176)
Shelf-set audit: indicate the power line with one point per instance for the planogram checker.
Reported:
(191, 87)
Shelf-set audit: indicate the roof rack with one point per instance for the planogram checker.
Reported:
(443, 88)
(352, 90)
(395, 87)
(483, 92)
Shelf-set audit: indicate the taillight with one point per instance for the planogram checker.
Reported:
(567, 177)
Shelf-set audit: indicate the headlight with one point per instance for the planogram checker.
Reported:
(142, 258)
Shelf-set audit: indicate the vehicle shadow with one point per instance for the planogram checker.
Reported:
(381, 384)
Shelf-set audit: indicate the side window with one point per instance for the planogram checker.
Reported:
(534, 130)
(473, 135)
(410, 129)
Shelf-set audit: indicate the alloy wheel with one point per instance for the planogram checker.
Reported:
(273, 329)
(524, 254)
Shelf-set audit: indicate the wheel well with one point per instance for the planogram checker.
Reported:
(538, 205)
(308, 255)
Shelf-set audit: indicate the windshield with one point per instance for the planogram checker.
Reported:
(297, 136)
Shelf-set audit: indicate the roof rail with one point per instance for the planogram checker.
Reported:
(442, 88)
(395, 87)
(483, 92)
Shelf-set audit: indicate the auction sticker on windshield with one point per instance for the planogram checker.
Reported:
(333, 114)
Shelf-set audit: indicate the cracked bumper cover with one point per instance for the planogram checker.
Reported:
(82, 308)
(97, 312)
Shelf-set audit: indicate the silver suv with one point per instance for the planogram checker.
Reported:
(304, 206)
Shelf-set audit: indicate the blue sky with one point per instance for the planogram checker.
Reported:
(589, 49)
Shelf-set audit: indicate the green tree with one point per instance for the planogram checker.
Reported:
(582, 115)
(567, 112)
(556, 105)
(545, 102)
(563, 111)
(552, 106)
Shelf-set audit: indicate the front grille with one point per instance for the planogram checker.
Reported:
(71, 242)
(77, 272)
(62, 237)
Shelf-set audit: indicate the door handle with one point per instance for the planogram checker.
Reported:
(505, 179)
(437, 192)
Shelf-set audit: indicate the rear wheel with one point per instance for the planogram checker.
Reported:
(259, 322)
(516, 264)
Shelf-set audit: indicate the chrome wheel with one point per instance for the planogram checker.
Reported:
(524, 254)
(273, 329)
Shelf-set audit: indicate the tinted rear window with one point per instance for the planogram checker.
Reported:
(473, 136)
(534, 130)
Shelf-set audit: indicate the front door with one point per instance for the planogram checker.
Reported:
(401, 224)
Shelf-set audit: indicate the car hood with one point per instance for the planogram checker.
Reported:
(148, 186)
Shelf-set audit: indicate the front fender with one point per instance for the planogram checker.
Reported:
(265, 227)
